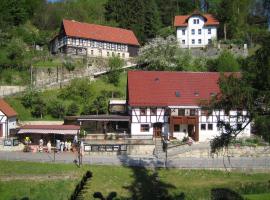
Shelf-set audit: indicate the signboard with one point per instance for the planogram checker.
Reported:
(7, 142)
(105, 147)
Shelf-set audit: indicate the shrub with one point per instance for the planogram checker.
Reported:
(57, 109)
(72, 109)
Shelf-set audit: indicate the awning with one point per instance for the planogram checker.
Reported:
(49, 129)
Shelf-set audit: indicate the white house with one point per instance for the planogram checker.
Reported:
(7, 119)
(195, 30)
(93, 40)
(170, 103)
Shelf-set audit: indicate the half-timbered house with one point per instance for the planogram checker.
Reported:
(7, 119)
(169, 103)
(92, 40)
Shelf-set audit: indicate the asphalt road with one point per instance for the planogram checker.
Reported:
(241, 163)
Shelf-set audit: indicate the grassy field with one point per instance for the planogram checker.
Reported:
(19, 180)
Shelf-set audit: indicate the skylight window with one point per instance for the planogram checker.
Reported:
(177, 94)
(212, 94)
(196, 93)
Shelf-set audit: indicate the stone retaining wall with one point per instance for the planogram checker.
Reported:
(262, 151)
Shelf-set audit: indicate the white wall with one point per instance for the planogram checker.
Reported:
(188, 37)
(7, 124)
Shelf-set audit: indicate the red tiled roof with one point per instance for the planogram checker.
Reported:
(51, 127)
(153, 88)
(99, 32)
(182, 20)
(7, 109)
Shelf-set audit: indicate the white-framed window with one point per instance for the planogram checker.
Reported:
(199, 31)
(145, 127)
(198, 21)
(108, 53)
(210, 127)
(194, 21)
(183, 32)
(92, 52)
(199, 41)
(203, 127)
(183, 41)
(209, 41)
(209, 30)
(193, 41)
(118, 54)
(193, 31)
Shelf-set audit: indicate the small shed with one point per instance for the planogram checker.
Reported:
(8, 119)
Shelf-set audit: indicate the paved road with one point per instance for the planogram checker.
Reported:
(256, 163)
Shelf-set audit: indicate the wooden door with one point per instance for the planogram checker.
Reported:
(157, 129)
(1, 130)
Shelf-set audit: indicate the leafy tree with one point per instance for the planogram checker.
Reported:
(72, 109)
(250, 92)
(115, 65)
(165, 54)
(226, 62)
(39, 108)
(100, 104)
(57, 109)
(29, 98)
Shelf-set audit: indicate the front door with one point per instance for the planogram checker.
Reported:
(191, 131)
(157, 129)
(1, 130)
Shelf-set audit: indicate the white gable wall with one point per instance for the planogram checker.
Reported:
(186, 39)
(7, 124)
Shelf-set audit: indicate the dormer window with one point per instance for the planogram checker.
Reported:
(194, 21)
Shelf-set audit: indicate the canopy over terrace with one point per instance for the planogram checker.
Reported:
(49, 132)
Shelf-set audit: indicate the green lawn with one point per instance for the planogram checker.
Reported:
(57, 181)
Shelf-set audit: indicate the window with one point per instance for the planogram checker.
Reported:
(183, 32)
(194, 21)
(144, 127)
(199, 41)
(209, 41)
(203, 126)
(181, 112)
(153, 111)
(193, 41)
(193, 31)
(192, 112)
(108, 53)
(183, 41)
(199, 31)
(210, 127)
(209, 30)
(143, 111)
(123, 55)
(198, 21)
(176, 128)
(92, 52)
